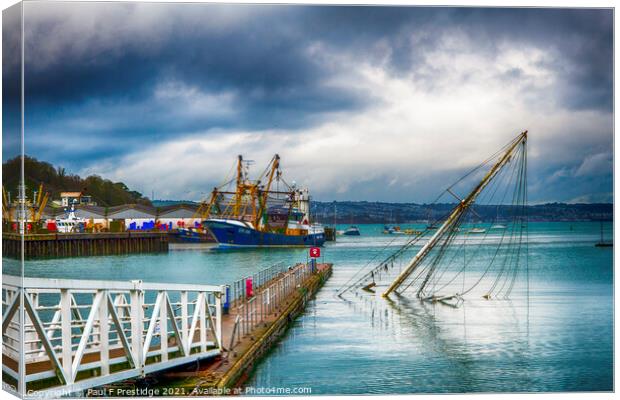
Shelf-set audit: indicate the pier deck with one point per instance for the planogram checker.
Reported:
(82, 334)
(73, 335)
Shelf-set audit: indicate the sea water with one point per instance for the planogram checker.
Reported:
(556, 336)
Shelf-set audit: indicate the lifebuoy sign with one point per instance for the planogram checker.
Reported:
(315, 252)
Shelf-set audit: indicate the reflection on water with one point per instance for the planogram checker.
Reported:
(561, 340)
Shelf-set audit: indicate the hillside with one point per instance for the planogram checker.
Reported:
(56, 180)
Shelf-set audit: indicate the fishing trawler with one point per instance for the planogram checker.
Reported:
(250, 214)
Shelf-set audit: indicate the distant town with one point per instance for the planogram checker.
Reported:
(361, 212)
(367, 212)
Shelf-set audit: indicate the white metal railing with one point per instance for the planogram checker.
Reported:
(84, 333)
(266, 299)
(238, 289)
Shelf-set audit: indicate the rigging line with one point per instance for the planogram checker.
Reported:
(520, 232)
(493, 156)
(518, 256)
(367, 274)
(512, 269)
(515, 270)
(527, 266)
(487, 268)
(490, 158)
(466, 262)
(513, 262)
(507, 263)
(483, 163)
(451, 262)
(428, 262)
(421, 270)
(383, 263)
(507, 258)
(442, 251)
(260, 177)
(512, 143)
(230, 171)
(435, 256)
(490, 263)
(475, 251)
(489, 177)
(453, 233)
(511, 249)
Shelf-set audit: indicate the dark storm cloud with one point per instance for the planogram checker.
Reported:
(109, 78)
(11, 82)
(268, 52)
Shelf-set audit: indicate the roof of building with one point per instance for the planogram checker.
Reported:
(176, 208)
(132, 211)
(125, 211)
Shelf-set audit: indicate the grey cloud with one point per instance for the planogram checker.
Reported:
(93, 68)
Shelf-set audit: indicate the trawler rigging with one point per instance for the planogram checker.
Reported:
(253, 214)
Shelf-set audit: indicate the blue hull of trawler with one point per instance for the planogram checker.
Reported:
(233, 235)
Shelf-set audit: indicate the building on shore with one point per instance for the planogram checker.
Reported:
(180, 215)
(118, 218)
(68, 198)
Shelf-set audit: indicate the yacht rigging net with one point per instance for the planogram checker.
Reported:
(456, 255)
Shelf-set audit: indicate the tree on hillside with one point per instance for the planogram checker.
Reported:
(56, 180)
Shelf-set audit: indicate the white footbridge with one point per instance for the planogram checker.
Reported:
(79, 334)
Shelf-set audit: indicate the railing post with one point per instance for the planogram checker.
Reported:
(246, 306)
(204, 303)
(21, 320)
(218, 315)
(184, 339)
(104, 335)
(65, 310)
(137, 325)
(163, 327)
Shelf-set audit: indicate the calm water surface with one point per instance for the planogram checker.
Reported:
(559, 338)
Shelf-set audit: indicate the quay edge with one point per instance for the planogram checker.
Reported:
(239, 370)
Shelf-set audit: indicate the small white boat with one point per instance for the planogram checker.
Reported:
(498, 226)
(477, 230)
(70, 222)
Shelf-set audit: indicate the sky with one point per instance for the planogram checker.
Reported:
(361, 103)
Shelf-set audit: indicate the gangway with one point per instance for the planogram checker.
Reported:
(80, 334)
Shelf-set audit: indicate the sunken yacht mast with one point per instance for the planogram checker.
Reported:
(431, 272)
(244, 212)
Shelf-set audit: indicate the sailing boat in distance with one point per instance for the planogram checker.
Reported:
(498, 225)
(602, 242)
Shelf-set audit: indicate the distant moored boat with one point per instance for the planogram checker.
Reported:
(352, 231)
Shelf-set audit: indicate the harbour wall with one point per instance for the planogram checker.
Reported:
(240, 369)
(83, 244)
